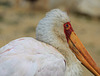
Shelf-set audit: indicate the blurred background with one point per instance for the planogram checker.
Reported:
(19, 18)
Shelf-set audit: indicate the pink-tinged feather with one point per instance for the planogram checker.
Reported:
(20, 39)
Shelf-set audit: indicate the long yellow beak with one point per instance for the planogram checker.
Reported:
(82, 54)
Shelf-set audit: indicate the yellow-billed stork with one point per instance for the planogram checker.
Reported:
(48, 54)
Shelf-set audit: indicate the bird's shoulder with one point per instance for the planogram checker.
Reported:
(28, 45)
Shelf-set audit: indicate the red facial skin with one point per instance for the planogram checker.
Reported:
(79, 50)
(68, 30)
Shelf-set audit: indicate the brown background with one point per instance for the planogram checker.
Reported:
(17, 21)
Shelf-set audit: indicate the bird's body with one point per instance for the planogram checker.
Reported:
(29, 57)
(49, 55)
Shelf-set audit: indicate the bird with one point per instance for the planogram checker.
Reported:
(56, 51)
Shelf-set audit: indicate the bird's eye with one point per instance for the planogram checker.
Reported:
(67, 25)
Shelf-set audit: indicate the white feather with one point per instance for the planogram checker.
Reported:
(29, 57)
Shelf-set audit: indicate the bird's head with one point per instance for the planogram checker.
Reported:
(55, 29)
(79, 50)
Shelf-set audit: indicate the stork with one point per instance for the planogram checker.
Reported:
(56, 51)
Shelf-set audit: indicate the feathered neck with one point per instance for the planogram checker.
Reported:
(50, 30)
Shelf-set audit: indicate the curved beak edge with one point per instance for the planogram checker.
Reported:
(82, 54)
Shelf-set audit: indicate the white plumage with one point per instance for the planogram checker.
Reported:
(29, 57)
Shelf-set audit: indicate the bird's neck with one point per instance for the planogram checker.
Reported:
(72, 64)
(50, 33)
(56, 38)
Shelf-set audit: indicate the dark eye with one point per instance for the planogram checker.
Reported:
(67, 25)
